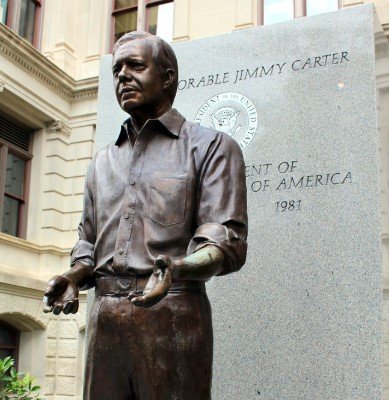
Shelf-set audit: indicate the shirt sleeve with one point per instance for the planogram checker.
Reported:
(83, 251)
(222, 203)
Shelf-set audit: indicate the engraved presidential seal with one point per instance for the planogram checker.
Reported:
(231, 113)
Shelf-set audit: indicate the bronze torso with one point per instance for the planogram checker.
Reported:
(170, 190)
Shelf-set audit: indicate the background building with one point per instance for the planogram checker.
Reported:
(49, 61)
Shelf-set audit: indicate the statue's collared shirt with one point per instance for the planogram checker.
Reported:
(171, 189)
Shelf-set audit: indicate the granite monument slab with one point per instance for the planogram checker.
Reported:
(303, 318)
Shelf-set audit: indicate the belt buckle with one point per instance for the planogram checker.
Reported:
(122, 288)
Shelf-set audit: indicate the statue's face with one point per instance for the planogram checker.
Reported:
(137, 80)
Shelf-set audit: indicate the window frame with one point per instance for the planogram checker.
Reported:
(12, 19)
(5, 149)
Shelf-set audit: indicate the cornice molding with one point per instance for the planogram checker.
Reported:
(26, 56)
(84, 95)
(26, 245)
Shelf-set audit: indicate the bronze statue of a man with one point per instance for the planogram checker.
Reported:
(164, 211)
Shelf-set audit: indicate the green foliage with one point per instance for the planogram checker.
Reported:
(16, 385)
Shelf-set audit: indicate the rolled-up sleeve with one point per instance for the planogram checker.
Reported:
(83, 251)
(222, 203)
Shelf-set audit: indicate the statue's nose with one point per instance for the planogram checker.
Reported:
(125, 75)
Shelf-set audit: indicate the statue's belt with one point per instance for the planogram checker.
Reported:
(122, 286)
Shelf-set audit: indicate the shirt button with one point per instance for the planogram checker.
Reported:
(120, 251)
(127, 216)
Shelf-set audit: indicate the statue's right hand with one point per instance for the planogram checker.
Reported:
(61, 295)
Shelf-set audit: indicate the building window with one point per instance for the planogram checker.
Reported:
(14, 172)
(314, 7)
(3, 10)
(9, 341)
(24, 17)
(125, 16)
(160, 16)
(272, 11)
(277, 11)
(154, 16)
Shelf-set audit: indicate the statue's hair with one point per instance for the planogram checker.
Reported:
(163, 55)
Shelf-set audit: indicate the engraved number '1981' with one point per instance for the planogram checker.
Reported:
(291, 205)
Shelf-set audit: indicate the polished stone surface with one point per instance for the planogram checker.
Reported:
(302, 320)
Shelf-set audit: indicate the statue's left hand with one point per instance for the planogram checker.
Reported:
(157, 286)
(61, 295)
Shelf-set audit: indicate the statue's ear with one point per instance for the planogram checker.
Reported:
(170, 74)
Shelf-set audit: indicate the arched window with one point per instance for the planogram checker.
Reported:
(23, 338)
(9, 341)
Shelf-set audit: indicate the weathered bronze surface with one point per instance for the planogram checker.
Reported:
(164, 211)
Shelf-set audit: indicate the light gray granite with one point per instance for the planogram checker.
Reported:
(302, 319)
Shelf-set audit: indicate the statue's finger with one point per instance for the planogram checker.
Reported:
(46, 307)
(151, 293)
(75, 306)
(131, 295)
(149, 299)
(57, 308)
(141, 301)
(45, 300)
(135, 301)
(50, 300)
(68, 307)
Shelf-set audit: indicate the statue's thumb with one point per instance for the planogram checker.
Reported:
(162, 262)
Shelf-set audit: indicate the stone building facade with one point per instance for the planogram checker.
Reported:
(49, 61)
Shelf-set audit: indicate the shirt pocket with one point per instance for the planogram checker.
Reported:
(167, 200)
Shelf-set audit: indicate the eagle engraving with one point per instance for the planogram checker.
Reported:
(224, 120)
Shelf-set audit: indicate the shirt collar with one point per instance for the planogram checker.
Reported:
(172, 121)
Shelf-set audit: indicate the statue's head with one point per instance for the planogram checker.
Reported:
(145, 72)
